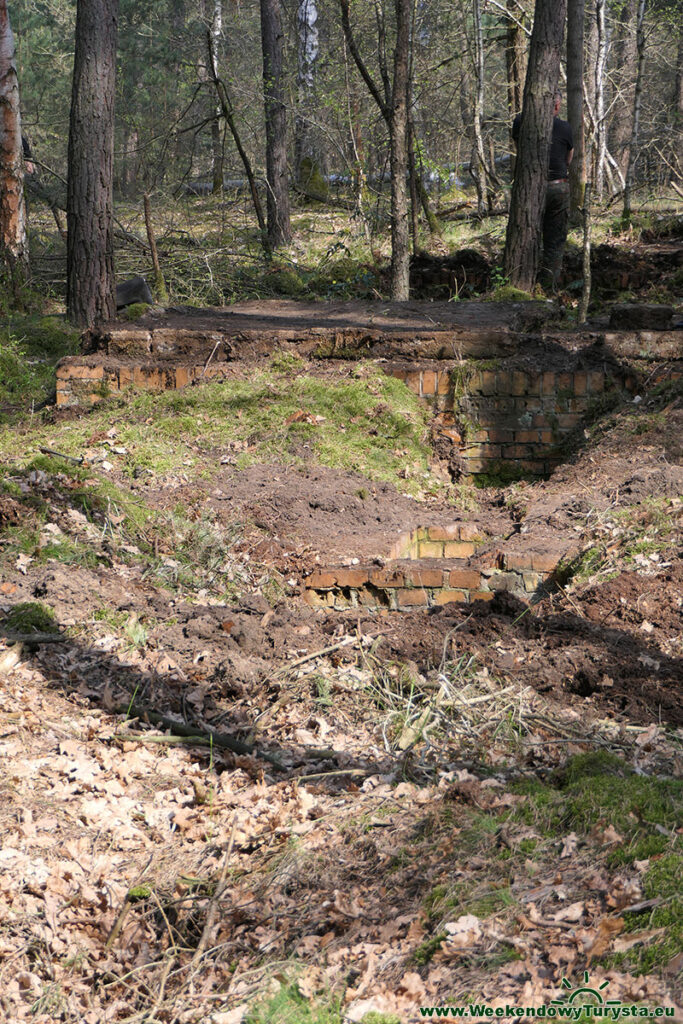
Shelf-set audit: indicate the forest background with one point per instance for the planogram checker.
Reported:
(467, 63)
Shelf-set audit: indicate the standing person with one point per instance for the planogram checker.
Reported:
(556, 210)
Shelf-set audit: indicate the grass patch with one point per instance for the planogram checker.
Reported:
(288, 1006)
(30, 348)
(662, 881)
(30, 617)
(597, 790)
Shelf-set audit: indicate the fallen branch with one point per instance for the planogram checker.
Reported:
(60, 455)
(213, 738)
(213, 906)
(33, 638)
(121, 916)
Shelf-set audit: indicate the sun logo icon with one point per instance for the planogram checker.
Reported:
(584, 991)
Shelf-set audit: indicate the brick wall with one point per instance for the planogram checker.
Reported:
(508, 417)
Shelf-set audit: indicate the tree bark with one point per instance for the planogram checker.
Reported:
(393, 106)
(13, 239)
(600, 120)
(637, 99)
(531, 172)
(277, 204)
(398, 131)
(678, 105)
(90, 282)
(306, 154)
(575, 64)
(625, 57)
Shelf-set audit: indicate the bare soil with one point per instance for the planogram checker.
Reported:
(310, 869)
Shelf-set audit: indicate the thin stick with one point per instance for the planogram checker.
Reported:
(60, 455)
(121, 916)
(213, 906)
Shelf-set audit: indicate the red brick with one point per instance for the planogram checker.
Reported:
(564, 382)
(488, 383)
(450, 597)
(517, 451)
(316, 600)
(458, 549)
(424, 577)
(526, 436)
(535, 466)
(498, 436)
(464, 579)
(449, 532)
(431, 549)
(517, 560)
(580, 382)
(540, 420)
(468, 531)
(451, 434)
(84, 373)
(443, 382)
(481, 595)
(520, 383)
(412, 598)
(322, 579)
(596, 381)
(547, 437)
(352, 577)
(568, 420)
(413, 382)
(545, 561)
(399, 374)
(534, 383)
(548, 384)
(387, 578)
(428, 382)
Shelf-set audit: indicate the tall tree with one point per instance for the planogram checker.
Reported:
(575, 66)
(13, 239)
(392, 101)
(637, 99)
(272, 41)
(306, 155)
(90, 282)
(531, 170)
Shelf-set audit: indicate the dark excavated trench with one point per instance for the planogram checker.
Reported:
(510, 390)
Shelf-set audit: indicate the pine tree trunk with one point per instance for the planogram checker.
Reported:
(531, 172)
(90, 282)
(279, 229)
(13, 239)
(678, 105)
(577, 168)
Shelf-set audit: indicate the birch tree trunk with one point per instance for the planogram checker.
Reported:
(600, 122)
(277, 205)
(13, 238)
(637, 99)
(306, 157)
(90, 282)
(531, 171)
(479, 82)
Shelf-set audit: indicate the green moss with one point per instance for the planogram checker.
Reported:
(426, 950)
(30, 347)
(662, 882)
(134, 311)
(29, 617)
(508, 293)
(380, 1018)
(288, 1006)
(601, 790)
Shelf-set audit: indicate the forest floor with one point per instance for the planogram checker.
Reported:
(444, 808)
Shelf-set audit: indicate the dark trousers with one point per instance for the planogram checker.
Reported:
(555, 227)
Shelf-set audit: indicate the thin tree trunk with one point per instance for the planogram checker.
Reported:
(531, 173)
(625, 59)
(228, 113)
(394, 109)
(90, 282)
(306, 156)
(412, 177)
(678, 104)
(215, 30)
(600, 121)
(161, 292)
(13, 238)
(398, 131)
(637, 99)
(587, 281)
(277, 203)
(577, 168)
(480, 173)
